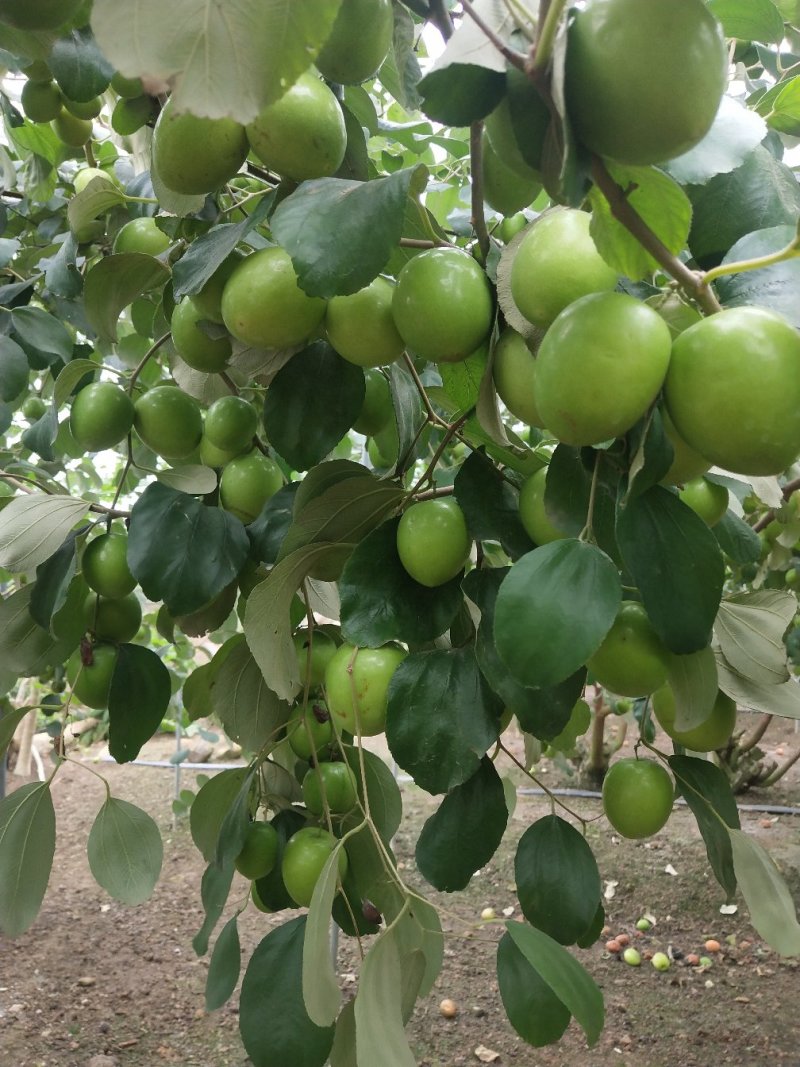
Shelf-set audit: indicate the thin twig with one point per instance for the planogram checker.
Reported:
(767, 518)
(476, 171)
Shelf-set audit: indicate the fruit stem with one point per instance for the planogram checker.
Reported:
(476, 170)
(622, 210)
(511, 55)
(550, 12)
(791, 251)
(145, 359)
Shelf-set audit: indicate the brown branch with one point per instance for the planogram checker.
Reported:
(755, 735)
(777, 774)
(629, 217)
(767, 518)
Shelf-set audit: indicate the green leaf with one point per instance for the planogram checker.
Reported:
(33, 526)
(214, 889)
(461, 94)
(291, 1037)
(25, 648)
(735, 132)
(268, 532)
(761, 193)
(182, 551)
(248, 709)
(209, 808)
(766, 894)
(343, 1053)
(9, 721)
(380, 788)
(125, 851)
(749, 20)
(321, 993)
(490, 505)
(776, 287)
(223, 60)
(235, 824)
(750, 628)
(707, 791)
(783, 699)
(781, 106)
(380, 1035)
(676, 563)
(542, 636)
(99, 196)
(224, 967)
(78, 65)
(14, 368)
(652, 454)
(40, 437)
(558, 883)
(462, 381)
(61, 275)
(465, 832)
(74, 372)
(114, 283)
(400, 73)
(53, 578)
(419, 929)
(340, 234)
(738, 540)
(209, 251)
(532, 1007)
(192, 478)
(658, 200)
(441, 717)
(311, 403)
(569, 981)
(566, 498)
(138, 700)
(42, 336)
(381, 602)
(408, 412)
(343, 503)
(542, 712)
(27, 844)
(693, 681)
(266, 620)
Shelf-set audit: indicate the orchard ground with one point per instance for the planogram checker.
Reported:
(94, 978)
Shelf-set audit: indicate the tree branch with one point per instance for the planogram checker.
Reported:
(511, 55)
(629, 217)
(787, 491)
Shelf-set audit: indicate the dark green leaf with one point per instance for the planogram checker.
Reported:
(400, 73)
(52, 583)
(181, 551)
(595, 929)
(14, 368)
(78, 65)
(776, 287)
(652, 454)
(408, 412)
(114, 283)
(311, 404)
(355, 165)
(441, 718)
(290, 1037)
(566, 498)
(209, 808)
(542, 712)
(339, 233)
(62, 276)
(250, 713)
(25, 648)
(761, 193)
(267, 533)
(561, 971)
(233, 831)
(738, 540)
(43, 337)
(542, 635)
(677, 565)
(490, 505)
(208, 251)
(381, 602)
(707, 791)
(225, 965)
(138, 700)
(214, 889)
(461, 93)
(532, 1007)
(558, 883)
(27, 844)
(41, 437)
(125, 851)
(465, 832)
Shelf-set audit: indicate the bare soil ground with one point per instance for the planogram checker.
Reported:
(93, 978)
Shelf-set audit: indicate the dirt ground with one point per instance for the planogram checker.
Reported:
(95, 979)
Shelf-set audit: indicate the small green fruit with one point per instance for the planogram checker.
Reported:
(661, 961)
(632, 957)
